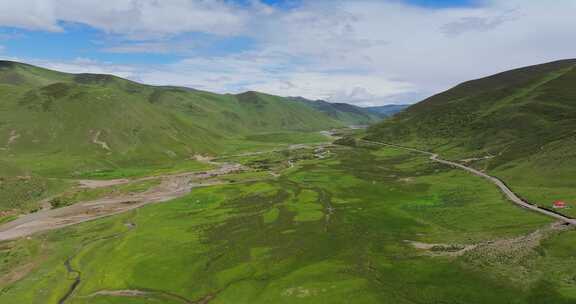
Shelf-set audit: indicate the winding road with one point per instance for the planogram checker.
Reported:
(501, 185)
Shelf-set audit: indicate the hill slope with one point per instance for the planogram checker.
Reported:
(78, 122)
(523, 121)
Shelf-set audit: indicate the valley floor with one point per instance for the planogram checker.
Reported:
(329, 224)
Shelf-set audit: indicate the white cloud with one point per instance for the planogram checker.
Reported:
(269, 73)
(364, 90)
(359, 51)
(142, 18)
(135, 18)
(419, 52)
(156, 47)
(477, 23)
(369, 51)
(30, 14)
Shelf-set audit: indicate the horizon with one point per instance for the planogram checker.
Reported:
(320, 50)
(190, 88)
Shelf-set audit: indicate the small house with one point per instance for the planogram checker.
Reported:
(559, 205)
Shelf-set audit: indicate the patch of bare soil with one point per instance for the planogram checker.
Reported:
(156, 295)
(408, 179)
(452, 250)
(514, 249)
(121, 293)
(517, 248)
(11, 212)
(469, 160)
(513, 258)
(96, 140)
(205, 159)
(13, 136)
(92, 184)
(302, 292)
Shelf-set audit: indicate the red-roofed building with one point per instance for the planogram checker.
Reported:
(559, 205)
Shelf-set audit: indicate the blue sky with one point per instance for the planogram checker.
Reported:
(82, 40)
(360, 51)
(443, 3)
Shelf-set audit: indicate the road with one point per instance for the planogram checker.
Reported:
(513, 197)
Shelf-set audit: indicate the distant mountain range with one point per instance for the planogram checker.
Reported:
(348, 112)
(523, 122)
(77, 120)
(387, 110)
(352, 114)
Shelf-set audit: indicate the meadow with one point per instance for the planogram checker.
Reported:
(335, 230)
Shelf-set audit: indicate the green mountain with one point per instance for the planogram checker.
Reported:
(523, 122)
(73, 123)
(352, 115)
(387, 110)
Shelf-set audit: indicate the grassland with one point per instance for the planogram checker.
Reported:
(23, 194)
(333, 230)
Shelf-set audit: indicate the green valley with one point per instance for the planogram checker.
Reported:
(287, 152)
(119, 192)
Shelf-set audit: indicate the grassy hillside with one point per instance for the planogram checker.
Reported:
(60, 124)
(524, 120)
